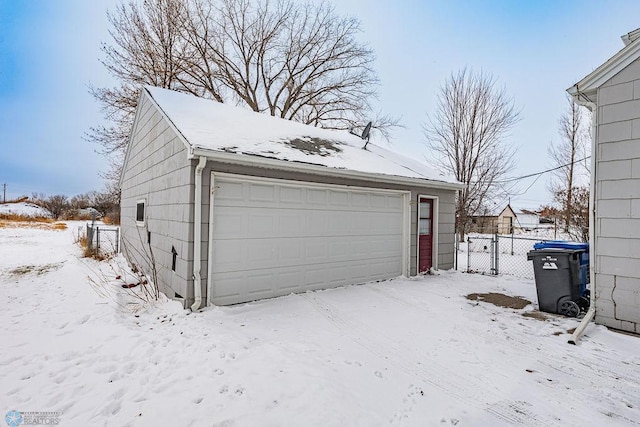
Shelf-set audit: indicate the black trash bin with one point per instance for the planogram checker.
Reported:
(558, 280)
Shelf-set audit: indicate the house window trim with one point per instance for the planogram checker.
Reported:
(144, 212)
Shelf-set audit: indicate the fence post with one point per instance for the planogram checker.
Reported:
(468, 254)
(497, 252)
(494, 255)
(455, 248)
(97, 239)
(89, 237)
(512, 242)
(118, 240)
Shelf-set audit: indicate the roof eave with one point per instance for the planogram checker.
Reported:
(585, 90)
(268, 163)
(631, 36)
(580, 97)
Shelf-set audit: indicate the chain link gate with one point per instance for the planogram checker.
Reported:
(104, 239)
(482, 255)
(495, 254)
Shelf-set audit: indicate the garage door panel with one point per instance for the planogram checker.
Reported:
(231, 191)
(359, 200)
(290, 251)
(258, 285)
(273, 237)
(262, 224)
(228, 223)
(228, 287)
(262, 193)
(339, 199)
(228, 254)
(378, 201)
(291, 223)
(290, 195)
(316, 197)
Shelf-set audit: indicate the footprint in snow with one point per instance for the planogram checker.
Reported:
(84, 319)
(378, 374)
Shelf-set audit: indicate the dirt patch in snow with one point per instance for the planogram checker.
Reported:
(501, 300)
(538, 315)
(34, 269)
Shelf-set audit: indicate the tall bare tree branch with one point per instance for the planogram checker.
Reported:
(467, 129)
(573, 135)
(298, 61)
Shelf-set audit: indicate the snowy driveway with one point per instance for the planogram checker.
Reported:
(402, 352)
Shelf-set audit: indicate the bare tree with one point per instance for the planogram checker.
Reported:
(579, 230)
(147, 45)
(56, 205)
(467, 129)
(567, 152)
(298, 61)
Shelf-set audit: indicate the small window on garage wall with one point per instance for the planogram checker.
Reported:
(140, 213)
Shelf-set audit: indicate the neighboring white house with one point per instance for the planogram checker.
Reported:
(612, 93)
(526, 219)
(513, 219)
(234, 205)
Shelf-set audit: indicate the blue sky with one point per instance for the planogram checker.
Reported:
(49, 54)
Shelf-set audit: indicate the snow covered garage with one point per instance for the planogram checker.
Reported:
(275, 206)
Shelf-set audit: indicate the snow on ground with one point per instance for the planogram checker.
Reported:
(24, 209)
(411, 352)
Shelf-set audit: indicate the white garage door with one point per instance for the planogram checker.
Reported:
(275, 237)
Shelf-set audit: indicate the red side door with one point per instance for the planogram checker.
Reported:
(425, 234)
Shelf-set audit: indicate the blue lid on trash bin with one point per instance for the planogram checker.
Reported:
(561, 244)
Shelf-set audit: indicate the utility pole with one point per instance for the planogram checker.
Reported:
(4, 191)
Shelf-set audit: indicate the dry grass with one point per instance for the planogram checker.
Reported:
(111, 220)
(87, 251)
(24, 218)
(41, 225)
(11, 220)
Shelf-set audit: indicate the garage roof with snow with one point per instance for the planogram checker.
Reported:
(220, 128)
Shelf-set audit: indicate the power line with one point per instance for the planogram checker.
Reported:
(543, 172)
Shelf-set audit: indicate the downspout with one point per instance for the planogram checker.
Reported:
(197, 236)
(592, 230)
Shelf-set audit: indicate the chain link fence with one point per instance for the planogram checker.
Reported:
(495, 254)
(104, 239)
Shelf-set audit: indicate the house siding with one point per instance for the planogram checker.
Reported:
(158, 171)
(617, 213)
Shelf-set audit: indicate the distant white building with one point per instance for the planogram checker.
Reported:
(527, 219)
(513, 219)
